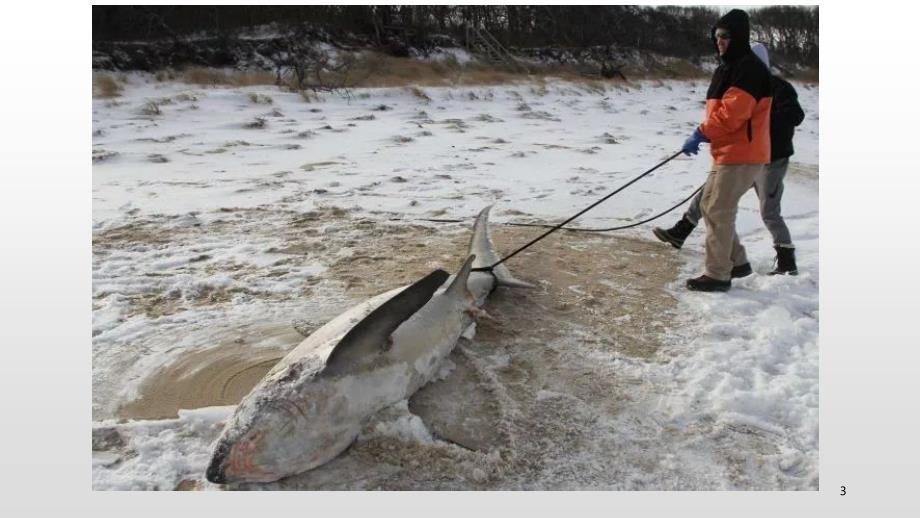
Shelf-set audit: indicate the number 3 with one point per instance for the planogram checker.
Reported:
(843, 490)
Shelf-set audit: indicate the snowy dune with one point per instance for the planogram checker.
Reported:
(229, 213)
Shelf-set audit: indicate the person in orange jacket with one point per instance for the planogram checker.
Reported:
(785, 114)
(737, 128)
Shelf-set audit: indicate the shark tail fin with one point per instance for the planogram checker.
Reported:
(486, 256)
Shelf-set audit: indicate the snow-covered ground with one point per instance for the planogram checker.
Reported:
(221, 215)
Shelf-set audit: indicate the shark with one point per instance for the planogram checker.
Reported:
(312, 405)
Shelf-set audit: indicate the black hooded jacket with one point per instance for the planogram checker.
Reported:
(785, 115)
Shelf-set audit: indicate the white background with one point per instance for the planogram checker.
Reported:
(869, 373)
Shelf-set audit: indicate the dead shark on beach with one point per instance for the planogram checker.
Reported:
(313, 403)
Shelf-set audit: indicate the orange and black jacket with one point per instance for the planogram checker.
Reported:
(738, 101)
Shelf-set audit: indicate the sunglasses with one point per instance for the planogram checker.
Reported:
(723, 35)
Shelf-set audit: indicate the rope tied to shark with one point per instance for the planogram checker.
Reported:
(595, 204)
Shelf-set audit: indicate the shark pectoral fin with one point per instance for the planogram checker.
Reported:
(450, 405)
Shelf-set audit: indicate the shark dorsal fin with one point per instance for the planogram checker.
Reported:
(369, 336)
(458, 285)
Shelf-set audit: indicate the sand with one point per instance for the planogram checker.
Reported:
(216, 376)
(609, 287)
(523, 391)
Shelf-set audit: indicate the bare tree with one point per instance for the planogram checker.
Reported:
(680, 31)
(301, 65)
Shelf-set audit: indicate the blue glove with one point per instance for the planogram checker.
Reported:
(692, 144)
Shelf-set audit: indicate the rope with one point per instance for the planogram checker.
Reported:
(595, 204)
(610, 229)
(561, 226)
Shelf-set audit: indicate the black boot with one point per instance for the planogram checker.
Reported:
(785, 261)
(706, 283)
(676, 234)
(742, 270)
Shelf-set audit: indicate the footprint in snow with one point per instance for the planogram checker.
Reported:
(607, 138)
(157, 158)
(256, 123)
(641, 214)
(485, 117)
(101, 155)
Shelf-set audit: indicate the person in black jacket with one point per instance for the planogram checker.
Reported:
(785, 115)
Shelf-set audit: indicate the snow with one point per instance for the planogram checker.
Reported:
(166, 451)
(738, 374)
(455, 54)
(397, 422)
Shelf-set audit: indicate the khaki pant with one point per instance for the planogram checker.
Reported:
(724, 188)
(769, 189)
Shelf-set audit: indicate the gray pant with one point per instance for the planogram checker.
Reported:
(769, 188)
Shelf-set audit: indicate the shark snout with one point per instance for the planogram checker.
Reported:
(216, 472)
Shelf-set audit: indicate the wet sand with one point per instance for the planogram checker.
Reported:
(610, 287)
(526, 391)
(214, 376)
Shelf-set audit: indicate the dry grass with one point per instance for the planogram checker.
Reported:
(372, 69)
(309, 96)
(105, 87)
(214, 77)
(166, 75)
(151, 108)
(489, 75)
(809, 75)
(376, 70)
(418, 93)
(676, 69)
(260, 98)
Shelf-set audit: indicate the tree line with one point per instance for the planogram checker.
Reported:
(790, 31)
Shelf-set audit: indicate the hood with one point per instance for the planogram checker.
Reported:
(760, 50)
(739, 25)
